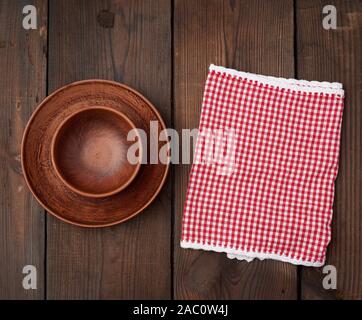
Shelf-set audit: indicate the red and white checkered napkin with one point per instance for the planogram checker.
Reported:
(262, 182)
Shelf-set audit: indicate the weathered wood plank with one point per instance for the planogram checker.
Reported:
(130, 42)
(22, 86)
(254, 36)
(335, 55)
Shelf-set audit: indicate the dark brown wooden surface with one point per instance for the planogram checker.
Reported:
(22, 87)
(130, 42)
(163, 49)
(335, 55)
(255, 36)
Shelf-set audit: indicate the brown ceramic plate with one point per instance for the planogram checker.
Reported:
(42, 178)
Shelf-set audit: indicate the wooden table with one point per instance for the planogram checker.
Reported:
(163, 49)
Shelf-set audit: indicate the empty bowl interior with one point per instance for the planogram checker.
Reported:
(89, 152)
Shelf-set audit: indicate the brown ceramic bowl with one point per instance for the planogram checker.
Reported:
(41, 174)
(89, 152)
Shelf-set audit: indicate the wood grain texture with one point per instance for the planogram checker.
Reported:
(23, 84)
(130, 42)
(335, 55)
(253, 36)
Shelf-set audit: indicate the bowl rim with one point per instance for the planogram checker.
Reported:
(69, 184)
(28, 126)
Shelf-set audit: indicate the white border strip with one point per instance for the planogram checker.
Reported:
(292, 84)
(248, 255)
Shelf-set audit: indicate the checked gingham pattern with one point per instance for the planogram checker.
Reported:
(273, 197)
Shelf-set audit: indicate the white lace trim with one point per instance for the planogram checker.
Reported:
(292, 84)
(248, 255)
